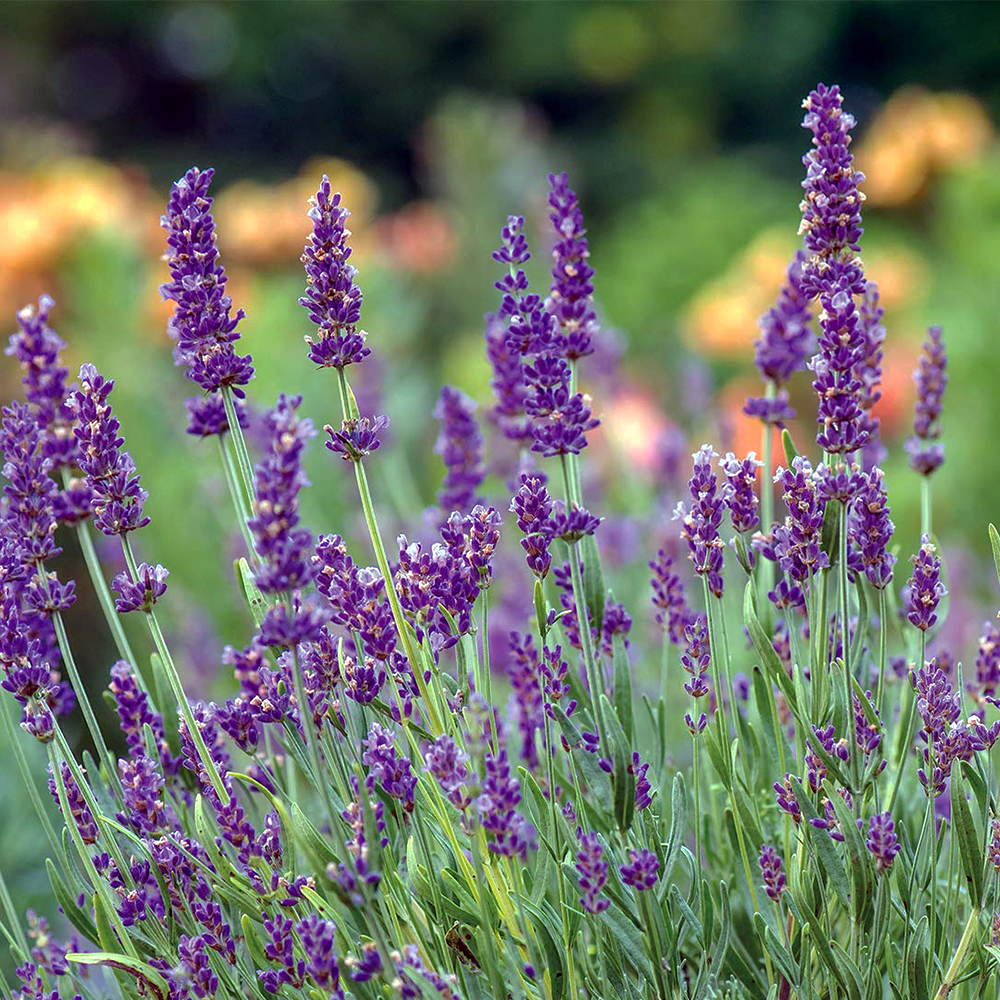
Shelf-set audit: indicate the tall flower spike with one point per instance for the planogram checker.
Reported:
(118, 498)
(571, 297)
(739, 492)
(870, 530)
(701, 520)
(925, 588)
(281, 544)
(882, 841)
(831, 208)
(559, 419)
(869, 367)
(203, 323)
(672, 612)
(460, 446)
(925, 451)
(332, 297)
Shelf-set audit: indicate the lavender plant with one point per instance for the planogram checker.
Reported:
(361, 816)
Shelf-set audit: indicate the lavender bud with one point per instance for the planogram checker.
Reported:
(593, 871)
(882, 841)
(640, 871)
(770, 867)
(925, 588)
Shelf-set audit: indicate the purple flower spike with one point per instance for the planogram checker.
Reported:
(925, 588)
(870, 530)
(357, 438)
(570, 299)
(202, 323)
(118, 498)
(926, 453)
(831, 208)
(558, 419)
(701, 521)
(460, 446)
(332, 297)
(697, 657)
(207, 415)
(532, 506)
(37, 347)
(739, 492)
(284, 548)
(782, 346)
(640, 871)
(317, 937)
(672, 612)
(143, 592)
(798, 542)
(770, 868)
(882, 841)
(593, 871)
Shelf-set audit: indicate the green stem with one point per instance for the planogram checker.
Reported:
(583, 626)
(765, 577)
(103, 753)
(909, 717)
(13, 919)
(239, 444)
(176, 687)
(487, 678)
(28, 780)
(239, 503)
(950, 977)
(104, 597)
(925, 505)
(852, 726)
(883, 624)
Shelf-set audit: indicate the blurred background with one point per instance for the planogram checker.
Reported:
(679, 125)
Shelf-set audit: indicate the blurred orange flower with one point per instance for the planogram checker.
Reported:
(915, 133)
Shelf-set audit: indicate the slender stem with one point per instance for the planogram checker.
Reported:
(239, 503)
(103, 753)
(176, 687)
(948, 983)
(99, 884)
(104, 597)
(925, 505)
(239, 443)
(846, 642)
(908, 716)
(487, 677)
(883, 624)
(12, 917)
(28, 781)
(583, 625)
(765, 574)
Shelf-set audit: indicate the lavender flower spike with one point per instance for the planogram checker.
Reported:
(831, 208)
(925, 451)
(202, 323)
(780, 350)
(925, 588)
(460, 446)
(770, 867)
(870, 530)
(739, 492)
(570, 299)
(882, 841)
(332, 297)
(283, 547)
(701, 521)
(117, 497)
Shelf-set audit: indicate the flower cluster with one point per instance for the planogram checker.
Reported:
(203, 323)
(925, 450)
